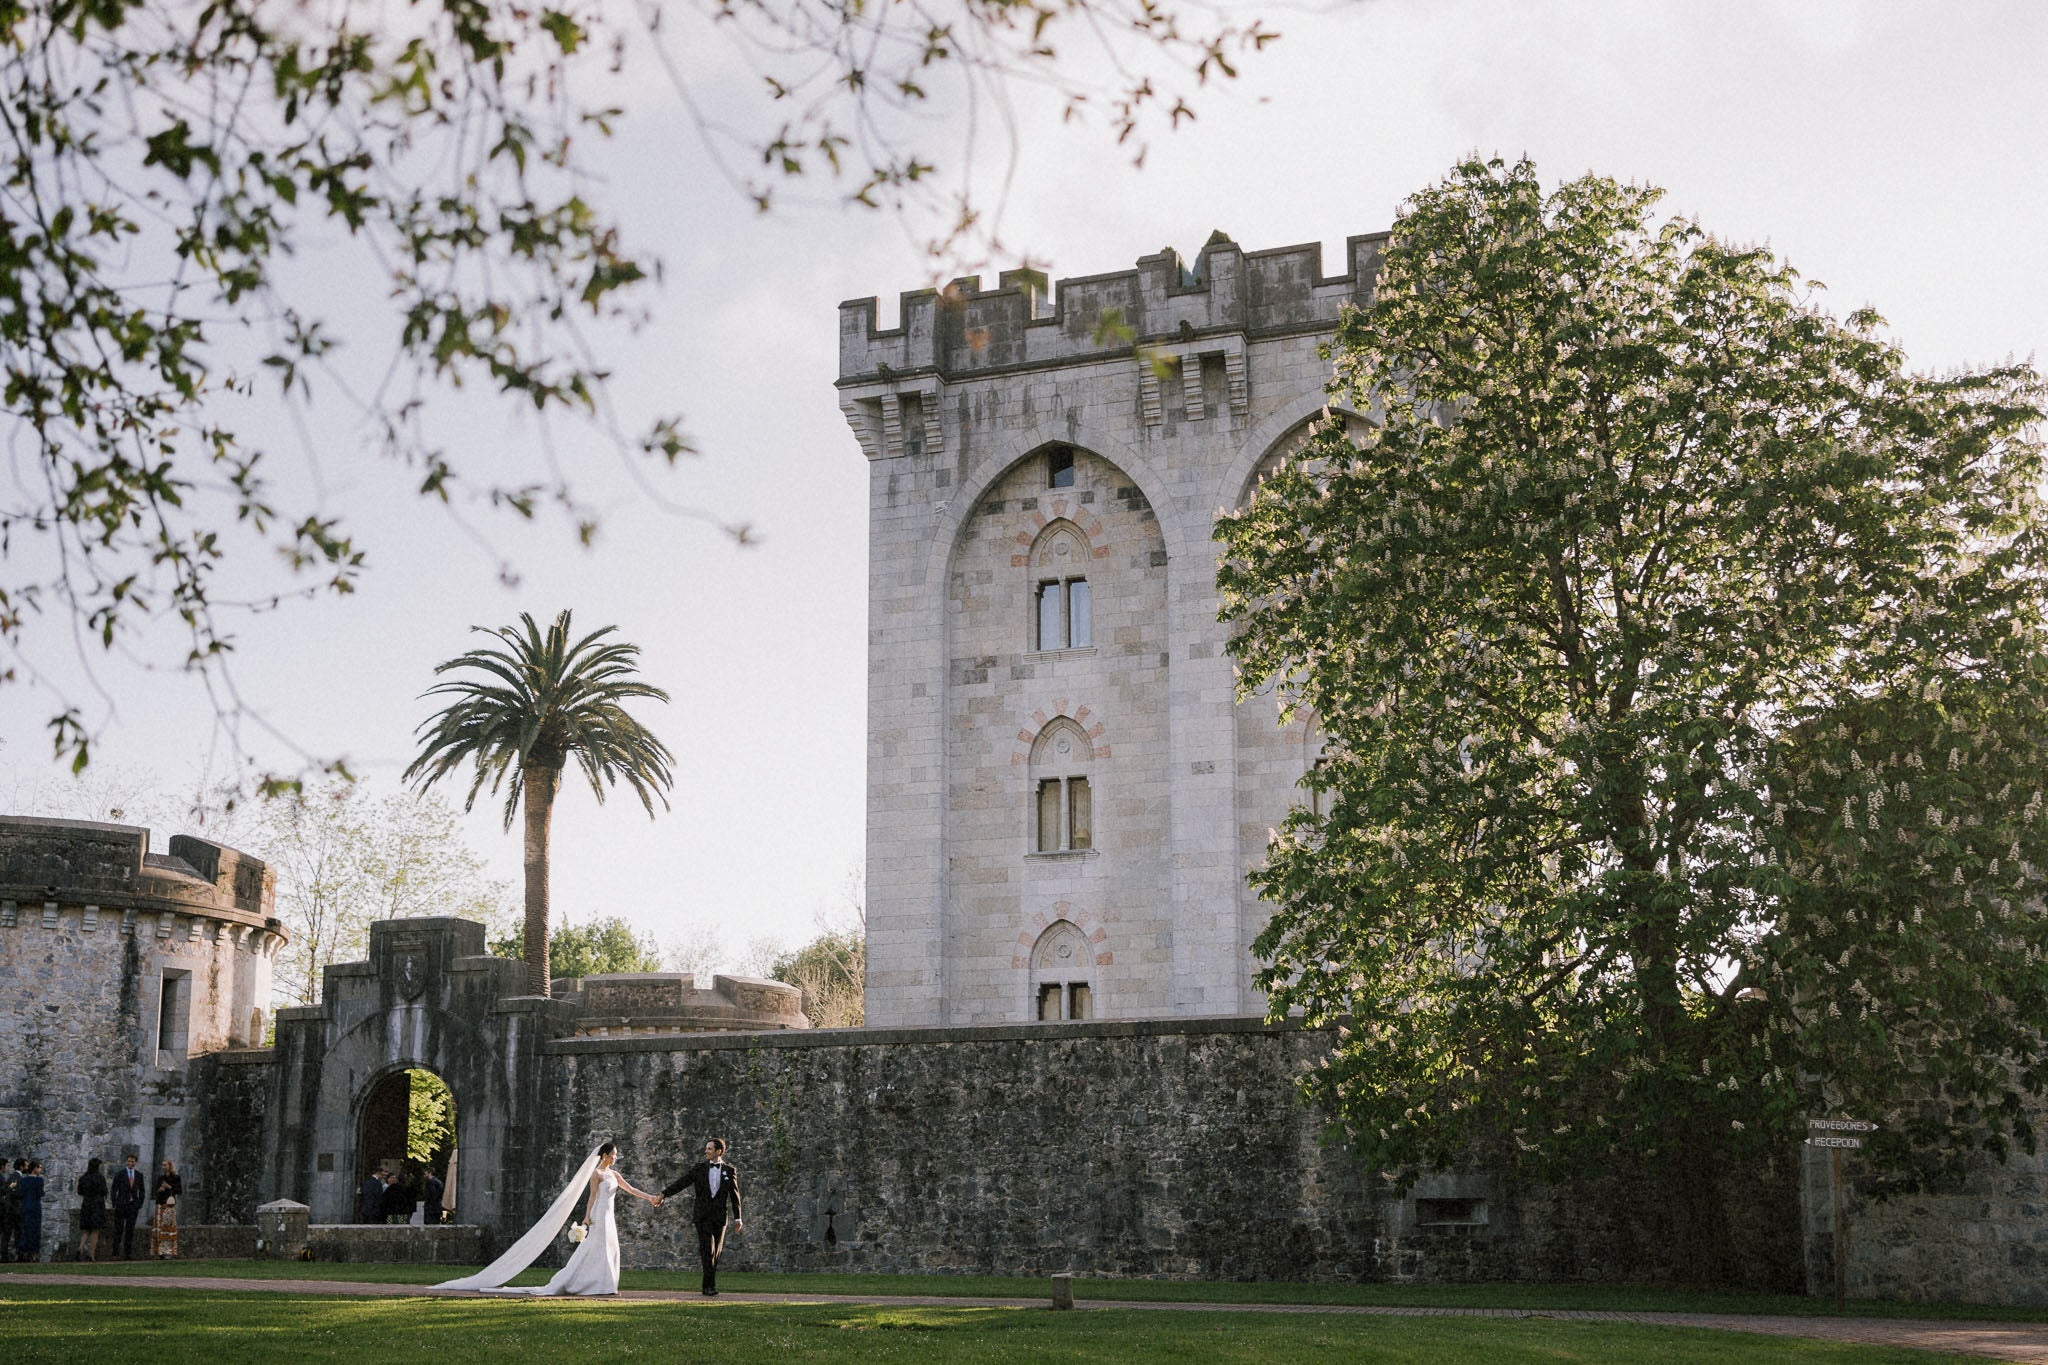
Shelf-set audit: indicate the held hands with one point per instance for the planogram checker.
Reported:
(655, 1200)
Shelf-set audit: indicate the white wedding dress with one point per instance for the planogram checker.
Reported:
(593, 1267)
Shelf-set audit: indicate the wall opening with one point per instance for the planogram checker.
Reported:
(173, 1016)
(163, 1146)
(407, 1127)
(1440, 1213)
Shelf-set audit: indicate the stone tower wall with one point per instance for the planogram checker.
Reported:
(1171, 384)
(92, 926)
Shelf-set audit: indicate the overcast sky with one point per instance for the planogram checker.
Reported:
(1893, 151)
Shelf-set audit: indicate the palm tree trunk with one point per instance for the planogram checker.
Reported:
(539, 799)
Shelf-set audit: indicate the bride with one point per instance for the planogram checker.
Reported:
(593, 1267)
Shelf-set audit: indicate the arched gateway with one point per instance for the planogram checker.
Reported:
(430, 998)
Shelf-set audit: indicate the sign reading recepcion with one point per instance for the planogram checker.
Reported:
(1838, 1136)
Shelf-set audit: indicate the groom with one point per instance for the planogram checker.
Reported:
(715, 1188)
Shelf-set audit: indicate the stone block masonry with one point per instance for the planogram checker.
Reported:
(120, 971)
(1045, 472)
(1118, 1149)
(1160, 1149)
(1980, 1238)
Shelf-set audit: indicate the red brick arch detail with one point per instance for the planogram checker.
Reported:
(1087, 921)
(1098, 734)
(1059, 509)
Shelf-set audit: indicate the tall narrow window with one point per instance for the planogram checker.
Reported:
(1080, 1001)
(1049, 1001)
(1064, 817)
(1065, 618)
(1062, 796)
(1059, 468)
(1062, 600)
(1049, 803)
(174, 1007)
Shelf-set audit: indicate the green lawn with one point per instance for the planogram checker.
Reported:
(1632, 1298)
(115, 1322)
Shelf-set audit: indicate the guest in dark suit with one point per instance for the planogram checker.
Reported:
(129, 1195)
(397, 1203)
(92, 1209)
(435, 1191)
(715, 1191)
(370, 1199)
(10, 1205)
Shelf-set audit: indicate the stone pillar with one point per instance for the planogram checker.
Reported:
(281, 1229)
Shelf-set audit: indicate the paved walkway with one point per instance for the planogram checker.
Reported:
(2016, 1341)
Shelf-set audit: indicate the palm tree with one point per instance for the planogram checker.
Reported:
(539, 701)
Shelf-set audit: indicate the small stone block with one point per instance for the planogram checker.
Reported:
(1063, 1291)
(49, 914)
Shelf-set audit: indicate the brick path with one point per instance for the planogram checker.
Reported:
(2016, 1341)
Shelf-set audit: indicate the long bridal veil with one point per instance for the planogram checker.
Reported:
(527, 1249)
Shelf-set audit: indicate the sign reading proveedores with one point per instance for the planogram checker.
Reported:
(1836, 1133)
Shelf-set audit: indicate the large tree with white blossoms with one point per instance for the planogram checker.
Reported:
(1677, 653)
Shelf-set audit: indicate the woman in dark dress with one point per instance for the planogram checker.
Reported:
(31, 1236)
(92, 1209)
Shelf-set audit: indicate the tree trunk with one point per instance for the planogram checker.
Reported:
(540, 808)
(1706, 1248)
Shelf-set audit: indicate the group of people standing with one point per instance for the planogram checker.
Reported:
(104, 1203)
(384, 1198)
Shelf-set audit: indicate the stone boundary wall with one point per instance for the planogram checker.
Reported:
(454, 1244)
(212, 1242)
(1111, 1149)
(1164, 1149)
(231, 1093)
(1984, 1240)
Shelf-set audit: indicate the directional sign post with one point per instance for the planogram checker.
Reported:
(1837, 1136)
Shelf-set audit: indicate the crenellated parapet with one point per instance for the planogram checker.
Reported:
(672, 1002)
(106, 868)
(893, 381)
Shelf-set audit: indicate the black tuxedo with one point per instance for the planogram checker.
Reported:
(711, 1211)
(128, 1192)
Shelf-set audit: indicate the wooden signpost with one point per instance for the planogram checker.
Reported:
(1838, 1136)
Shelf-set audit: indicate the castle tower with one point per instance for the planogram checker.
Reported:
(1063, 794)
(121, 970)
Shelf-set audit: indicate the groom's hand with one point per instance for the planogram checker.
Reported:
(657, 1200)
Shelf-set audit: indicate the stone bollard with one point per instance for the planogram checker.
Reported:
(1063, 1291)
(281, 1229)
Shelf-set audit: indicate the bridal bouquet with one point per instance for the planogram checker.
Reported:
(577, 1231)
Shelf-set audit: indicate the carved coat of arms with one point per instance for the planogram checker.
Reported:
(412, 974)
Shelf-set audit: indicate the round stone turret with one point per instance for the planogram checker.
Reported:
(119, 969)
